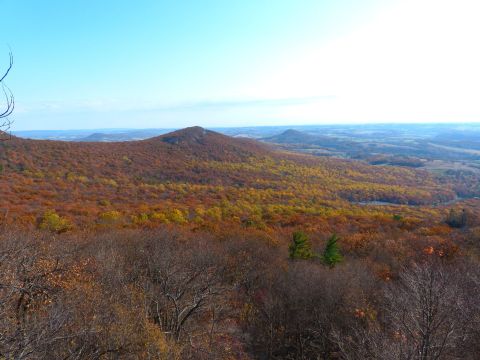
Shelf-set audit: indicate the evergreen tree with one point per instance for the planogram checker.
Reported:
(300, 248)
(331, 254)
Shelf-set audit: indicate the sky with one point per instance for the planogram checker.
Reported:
(85, 64)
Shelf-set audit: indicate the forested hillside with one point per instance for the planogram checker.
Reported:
(196, 245)
(198, 175)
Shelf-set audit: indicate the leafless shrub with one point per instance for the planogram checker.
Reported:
(296, 311)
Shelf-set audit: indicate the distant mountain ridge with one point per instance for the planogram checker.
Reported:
(296, 137)
(291, 136)
(122, 136)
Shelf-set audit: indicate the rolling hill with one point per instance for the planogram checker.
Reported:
(299, 137)
(198, 175)
(103, 243)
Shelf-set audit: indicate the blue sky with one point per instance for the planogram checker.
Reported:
(157, 63)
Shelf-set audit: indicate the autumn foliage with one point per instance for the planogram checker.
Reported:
(198, 177)
(194, 245)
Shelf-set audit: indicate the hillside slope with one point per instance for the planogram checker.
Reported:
(198, 172)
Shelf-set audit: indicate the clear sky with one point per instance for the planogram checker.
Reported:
(166, 63)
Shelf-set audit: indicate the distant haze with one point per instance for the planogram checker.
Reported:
(214, 63)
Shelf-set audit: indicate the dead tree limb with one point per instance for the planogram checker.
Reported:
(5, 121)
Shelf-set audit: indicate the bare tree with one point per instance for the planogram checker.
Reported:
(294, 312)
(183, 286)
(5, 122)
(28, 321)
(425, 315)
(425, 311)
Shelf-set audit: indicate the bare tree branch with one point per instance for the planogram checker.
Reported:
(5, 122)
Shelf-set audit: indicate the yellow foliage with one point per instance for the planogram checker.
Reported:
(176, 216)
(110, 216)
(160, 217)
(53, 222)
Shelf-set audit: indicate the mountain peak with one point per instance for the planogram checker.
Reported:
(202, 143)
(290, 132)
(289, 136)
(194, 134)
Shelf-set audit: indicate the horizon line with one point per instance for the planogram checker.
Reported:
(477, 122)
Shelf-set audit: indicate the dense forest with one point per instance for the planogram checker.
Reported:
(196, 245)
(197, 176)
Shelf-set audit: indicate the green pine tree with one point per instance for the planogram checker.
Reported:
(300, 248)
(331, 254)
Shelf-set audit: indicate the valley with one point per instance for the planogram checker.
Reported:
(239, 180)
(230, 241)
